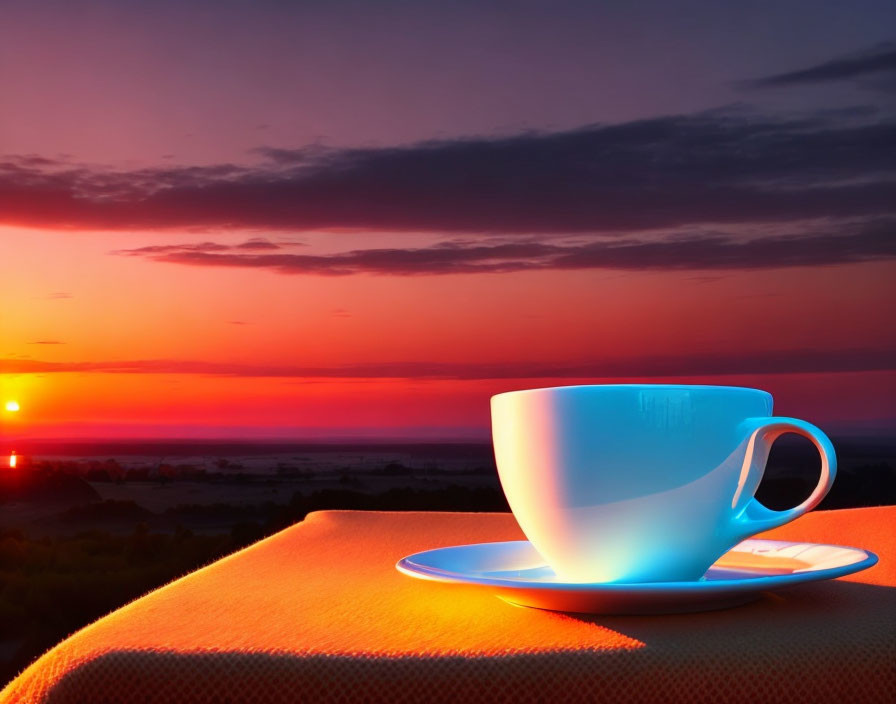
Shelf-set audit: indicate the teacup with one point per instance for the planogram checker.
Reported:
(641, 482)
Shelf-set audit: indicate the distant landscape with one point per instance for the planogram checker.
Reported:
(86, 527)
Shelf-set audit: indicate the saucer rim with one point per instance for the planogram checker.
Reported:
(407, 566)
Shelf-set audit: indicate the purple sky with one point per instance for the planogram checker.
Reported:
(123, 82)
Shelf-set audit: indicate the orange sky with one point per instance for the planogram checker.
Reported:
(98, 307)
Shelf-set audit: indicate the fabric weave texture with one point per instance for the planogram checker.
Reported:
(319, 613)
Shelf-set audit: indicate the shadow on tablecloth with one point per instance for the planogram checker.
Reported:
(831, 642)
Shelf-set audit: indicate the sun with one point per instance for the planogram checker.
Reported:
(12, 406)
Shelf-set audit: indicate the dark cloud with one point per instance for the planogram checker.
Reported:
(769, 362)
(257, 243)
(879, 61)
(158, 250)
(46, 342)
(162, 251)
(660, 173)
(818, 247)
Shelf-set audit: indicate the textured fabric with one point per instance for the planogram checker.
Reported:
(318, 613)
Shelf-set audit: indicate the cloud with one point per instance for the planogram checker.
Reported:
(163, 250)
(769, 362)
(257, 243)
(46, 342)
(826, 245)
(160, 250)
(666, 172)
(59, 295)
(877, 62)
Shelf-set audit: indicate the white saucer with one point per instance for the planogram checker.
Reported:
(516, 573)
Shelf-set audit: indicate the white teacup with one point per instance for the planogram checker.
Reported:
(641, 483)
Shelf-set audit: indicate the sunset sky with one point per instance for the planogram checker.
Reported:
(334, 219)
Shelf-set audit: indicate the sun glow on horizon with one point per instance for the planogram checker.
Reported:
(12, 406)
(12, 460)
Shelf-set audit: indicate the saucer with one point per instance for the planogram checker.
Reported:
(516, 573)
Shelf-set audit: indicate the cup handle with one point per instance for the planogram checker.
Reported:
(751, 515)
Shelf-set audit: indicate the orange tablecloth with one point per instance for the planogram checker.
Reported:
(318, 613)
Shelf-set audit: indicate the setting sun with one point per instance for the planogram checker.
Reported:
(12, 406)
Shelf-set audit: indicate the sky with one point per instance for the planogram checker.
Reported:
(362, 219)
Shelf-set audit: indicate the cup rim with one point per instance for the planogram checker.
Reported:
(656, 387)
